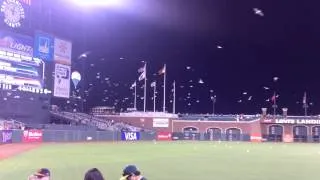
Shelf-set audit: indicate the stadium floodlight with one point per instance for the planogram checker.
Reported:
(99, 3)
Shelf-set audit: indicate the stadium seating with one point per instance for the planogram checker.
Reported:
(206, 117)
(90, 120)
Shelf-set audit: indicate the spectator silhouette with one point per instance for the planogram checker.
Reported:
(93, 174)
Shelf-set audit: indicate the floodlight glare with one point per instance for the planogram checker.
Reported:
(99, 3)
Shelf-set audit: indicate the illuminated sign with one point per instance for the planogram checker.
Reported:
(13, 13)
(293, 121)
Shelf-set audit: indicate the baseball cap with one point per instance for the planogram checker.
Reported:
(43, 172)
(130, 169)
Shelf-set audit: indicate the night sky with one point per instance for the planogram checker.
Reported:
(235, 50)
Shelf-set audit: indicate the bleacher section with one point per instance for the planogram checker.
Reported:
(90, 120)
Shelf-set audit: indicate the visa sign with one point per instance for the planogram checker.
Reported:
(130, 136)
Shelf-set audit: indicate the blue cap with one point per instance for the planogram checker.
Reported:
(130, 169)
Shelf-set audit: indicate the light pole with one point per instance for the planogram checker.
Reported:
(214, 100)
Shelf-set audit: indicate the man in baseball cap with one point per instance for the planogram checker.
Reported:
(41, 174)
(131, 172)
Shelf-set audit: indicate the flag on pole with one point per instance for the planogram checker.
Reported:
(304, 100)
(133, 85)
(142, 76)
(153, 84)
(273, 98)
(162, 70)
(142, 70)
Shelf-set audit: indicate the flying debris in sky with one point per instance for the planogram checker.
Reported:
(275, 79)
(240, 101)
(268, 100)
(190, 81)
(188, 67)
(219, 47)
(211, 90)
(201, 81)
(250, 98)
(198, 101)
(258, 12)
(266, 88)
(191, 86)
(244, 93)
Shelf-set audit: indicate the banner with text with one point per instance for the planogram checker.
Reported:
(44, 46)
(292, 121)
(160, 122)
(16, 43)
(130, 136)
(30, 136)
(62, 51)
(164, 136)
(6, 136)
(62, 81)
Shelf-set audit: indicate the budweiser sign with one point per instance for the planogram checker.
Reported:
(30, 136)
(164, 136)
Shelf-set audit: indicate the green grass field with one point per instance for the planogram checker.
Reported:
(171, 161)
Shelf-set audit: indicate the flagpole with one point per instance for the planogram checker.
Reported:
(274, 106)
(174, 97)
(154, 97)
(135, 95)
(145, 88)
(164, 88)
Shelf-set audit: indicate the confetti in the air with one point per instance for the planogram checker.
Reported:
(250, 98)
(201, 81)
(266, 88)
(188, 67)
(275, 79)
(219, 47)
(244, 93)
(258, 12)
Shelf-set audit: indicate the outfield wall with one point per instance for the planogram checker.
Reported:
(213, 134)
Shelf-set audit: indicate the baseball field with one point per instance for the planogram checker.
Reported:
(165, 160)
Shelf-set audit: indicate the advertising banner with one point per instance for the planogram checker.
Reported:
(62, 81)
(43, 46)
(130, 136)
(287, 138)
(16, 43)
(30, 136)
(255, 137)
(293, 121)
(62, 51)
(160, 122)
(6, 136)
(164, 136)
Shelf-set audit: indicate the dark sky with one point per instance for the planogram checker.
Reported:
(283, 43)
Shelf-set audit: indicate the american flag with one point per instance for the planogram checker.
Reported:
(28, 2)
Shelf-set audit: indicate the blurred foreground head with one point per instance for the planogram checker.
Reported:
(131, 172)
(41, 174)
(93, 174)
